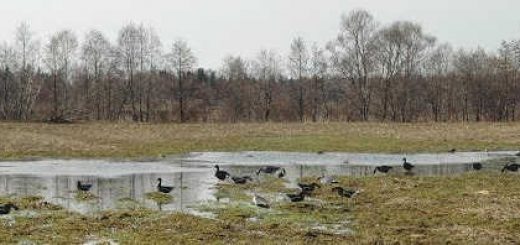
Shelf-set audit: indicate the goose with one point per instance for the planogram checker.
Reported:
(281, 173)
(163, 189)
(268, 170)
(327, 180)
(383, 169)
(308, 188)
(345, 192)
(241, 180)
(6, 208)
(512, 167)
(406, 165)
(220, 174)
(83, 187)
(452, 151)
(296, 197)
(260, 201)
(477, 166)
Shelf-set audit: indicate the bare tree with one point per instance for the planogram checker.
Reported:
(27, 50)
(59, 59)
(155, 60)
(235, 68)
(7, 63)
(128, 55)
(299, 66)
(268, 72)
(368, 72)
(318, 70)
(355, 54)
(182, 61)
(96, 60)
(238, 91)
(402, 49)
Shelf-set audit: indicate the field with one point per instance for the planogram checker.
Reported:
(19, 140)
(475, 208)
(472, 208)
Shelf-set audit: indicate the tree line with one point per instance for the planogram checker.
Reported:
(368, 72)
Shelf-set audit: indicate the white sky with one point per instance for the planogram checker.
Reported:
(216, 28)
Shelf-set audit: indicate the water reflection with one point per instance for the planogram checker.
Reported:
(193, 180)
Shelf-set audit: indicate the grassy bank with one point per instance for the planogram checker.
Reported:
(474, 208)
(18, 140)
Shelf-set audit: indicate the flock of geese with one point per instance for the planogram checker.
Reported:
(305, 189)
(510, 167)
(6, 208)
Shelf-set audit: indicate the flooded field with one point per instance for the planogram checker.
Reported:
(117, 184)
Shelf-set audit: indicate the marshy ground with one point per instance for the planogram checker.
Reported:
(471, 208)
(468, 208)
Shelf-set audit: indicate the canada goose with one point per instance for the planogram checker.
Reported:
(268, 170)
(345, 192)
(406, 165)
(511, 167)
(163, 189)
(83, 187)
(383, 169)
(6, 208)
(327, 180)
(477, 166)
(296, 197)
(241, 180)
(260, 201)
(308, 188)
(452, 151)
(220, 174)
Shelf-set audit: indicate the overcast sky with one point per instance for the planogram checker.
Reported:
(216, 28)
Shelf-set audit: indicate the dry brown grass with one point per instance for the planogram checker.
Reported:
(18, 140)
(473, 208)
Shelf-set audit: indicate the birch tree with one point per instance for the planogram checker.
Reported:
(181, 60)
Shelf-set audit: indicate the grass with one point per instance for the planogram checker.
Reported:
(473, 208)
(22, 140)
(85, 196)
(159, 198)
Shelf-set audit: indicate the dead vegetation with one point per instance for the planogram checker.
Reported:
(469, 208)
(21, 140)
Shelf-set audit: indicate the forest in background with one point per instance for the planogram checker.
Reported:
(368, 72)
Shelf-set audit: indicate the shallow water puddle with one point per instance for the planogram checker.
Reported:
(118, 184)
